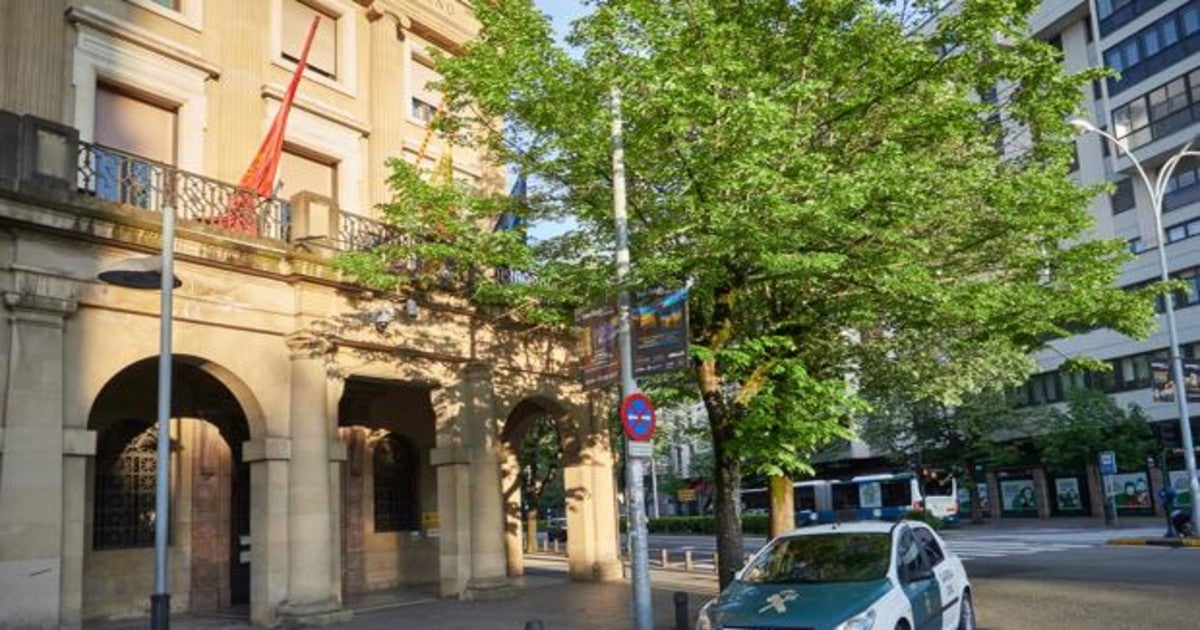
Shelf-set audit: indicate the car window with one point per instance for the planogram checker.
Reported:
(930, 544)
(836, 557)
(909, 557)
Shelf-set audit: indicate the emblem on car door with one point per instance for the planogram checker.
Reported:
(779, 601)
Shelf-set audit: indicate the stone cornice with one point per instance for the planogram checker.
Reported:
(275, 91)
(105, 23)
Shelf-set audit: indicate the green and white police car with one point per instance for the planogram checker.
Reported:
(852, 576)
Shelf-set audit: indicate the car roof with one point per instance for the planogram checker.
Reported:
(856, 527)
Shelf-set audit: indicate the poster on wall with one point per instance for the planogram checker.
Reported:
(964, 499)
(1017, 495)
(870, 495)
(1183, 494)
(1162, 386)
(1067, 494)
(1131, 491)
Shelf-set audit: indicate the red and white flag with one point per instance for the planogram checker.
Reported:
(259, 180)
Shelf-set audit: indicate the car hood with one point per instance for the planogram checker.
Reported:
(796, 605)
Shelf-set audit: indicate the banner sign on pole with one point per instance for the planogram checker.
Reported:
(1108, 463)
(1162, 386)
(658, 326)
(638, 417)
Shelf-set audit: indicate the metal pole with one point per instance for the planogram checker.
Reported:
(639, 561)
(653, 488)
(160, 601)
(1156, 198)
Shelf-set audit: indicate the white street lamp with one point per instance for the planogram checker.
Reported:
(1157, 189)
(149, 273)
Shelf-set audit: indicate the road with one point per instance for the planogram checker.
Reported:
(1058, 578)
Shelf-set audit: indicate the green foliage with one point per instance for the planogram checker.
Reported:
(1091, 423)
(540, 458)
(824, 172)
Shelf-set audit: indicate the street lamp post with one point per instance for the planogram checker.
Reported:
(1157, 189)
(151, 273)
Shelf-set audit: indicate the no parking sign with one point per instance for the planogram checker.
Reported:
(638, 417)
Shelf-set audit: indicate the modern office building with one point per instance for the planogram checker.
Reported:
(327, 441)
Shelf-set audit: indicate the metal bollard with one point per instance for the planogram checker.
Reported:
(555, 546)
(664, 553)
(534, 625)
(681, 610)
(687, 559)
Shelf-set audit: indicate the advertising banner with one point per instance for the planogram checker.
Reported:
(1017, 495)
(1183, 494)
(1067, 494)
(870, 495)
(1163, 387)
(658, 330)
(1131, 491)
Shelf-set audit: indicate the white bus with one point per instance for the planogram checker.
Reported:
(888, 496)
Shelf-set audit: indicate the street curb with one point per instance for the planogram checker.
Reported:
(1155, 542)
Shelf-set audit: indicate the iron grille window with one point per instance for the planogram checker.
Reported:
(395, 471)
(124, 499)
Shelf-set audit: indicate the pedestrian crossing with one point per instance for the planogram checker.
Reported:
(977, 548)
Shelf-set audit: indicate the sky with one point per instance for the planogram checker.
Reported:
(561, 12)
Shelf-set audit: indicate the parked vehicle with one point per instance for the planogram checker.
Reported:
(1181, 521)
(556, 529)
(853, 576)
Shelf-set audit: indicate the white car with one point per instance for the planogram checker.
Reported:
(869, 575)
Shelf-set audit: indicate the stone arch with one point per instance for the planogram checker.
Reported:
(211, 419)
(587, 475)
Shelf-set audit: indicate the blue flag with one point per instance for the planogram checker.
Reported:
(508, 220)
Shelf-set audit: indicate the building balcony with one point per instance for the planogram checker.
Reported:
(44, 161)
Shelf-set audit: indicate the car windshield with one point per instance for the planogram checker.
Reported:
(815, 558)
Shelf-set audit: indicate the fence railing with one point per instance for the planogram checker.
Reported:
(357, 232)
(115, 176)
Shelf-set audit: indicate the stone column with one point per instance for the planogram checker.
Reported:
(514, 519)
(451, 461)
(310, 512)
(592, 552)
(41, 517)
(1042, 492)
(489, 566)
(389, 112)
(268, 458)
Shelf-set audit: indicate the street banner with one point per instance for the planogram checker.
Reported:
(1163, 386)
(870, 495)
(1183, 494)
(658, 326)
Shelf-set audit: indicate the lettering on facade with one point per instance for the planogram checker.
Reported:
(449, 7)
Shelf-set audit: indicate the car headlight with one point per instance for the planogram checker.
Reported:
(703, 620)
(865, 621)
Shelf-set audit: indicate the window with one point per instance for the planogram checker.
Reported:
(167, 4)
(124, 505)
(297, 18)
(1114, 14)
(302, 171)
(425, 100)
(395, 479)
(134, 134)
(1162, 111)
(1122, 196)
(932, 549)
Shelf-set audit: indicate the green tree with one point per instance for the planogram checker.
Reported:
(981, 428)
(540, 458)
(825, 173)
(1072, 439)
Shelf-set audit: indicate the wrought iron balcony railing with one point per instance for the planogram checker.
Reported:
(119, 177)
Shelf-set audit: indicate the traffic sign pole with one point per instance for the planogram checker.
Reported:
(635, 495)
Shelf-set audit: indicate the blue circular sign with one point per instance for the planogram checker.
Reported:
(638, 417)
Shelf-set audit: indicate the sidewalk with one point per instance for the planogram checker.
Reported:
(545, 594)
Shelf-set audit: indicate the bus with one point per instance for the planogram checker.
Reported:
(887, 496)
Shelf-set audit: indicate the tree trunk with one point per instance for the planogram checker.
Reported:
(973, 491)
(531, 519)
(783, 506)
(727, 474)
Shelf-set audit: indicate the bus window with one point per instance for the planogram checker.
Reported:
(937, 486)
(755, 501)
(896, 493)
(805, 498)
(845, 496)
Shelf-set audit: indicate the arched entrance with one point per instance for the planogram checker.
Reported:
(531, 467)
(209, 553)
(388, 487)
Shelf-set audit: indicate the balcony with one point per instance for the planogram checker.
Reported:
(45, 160)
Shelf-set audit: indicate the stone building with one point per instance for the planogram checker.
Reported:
(327, 441)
